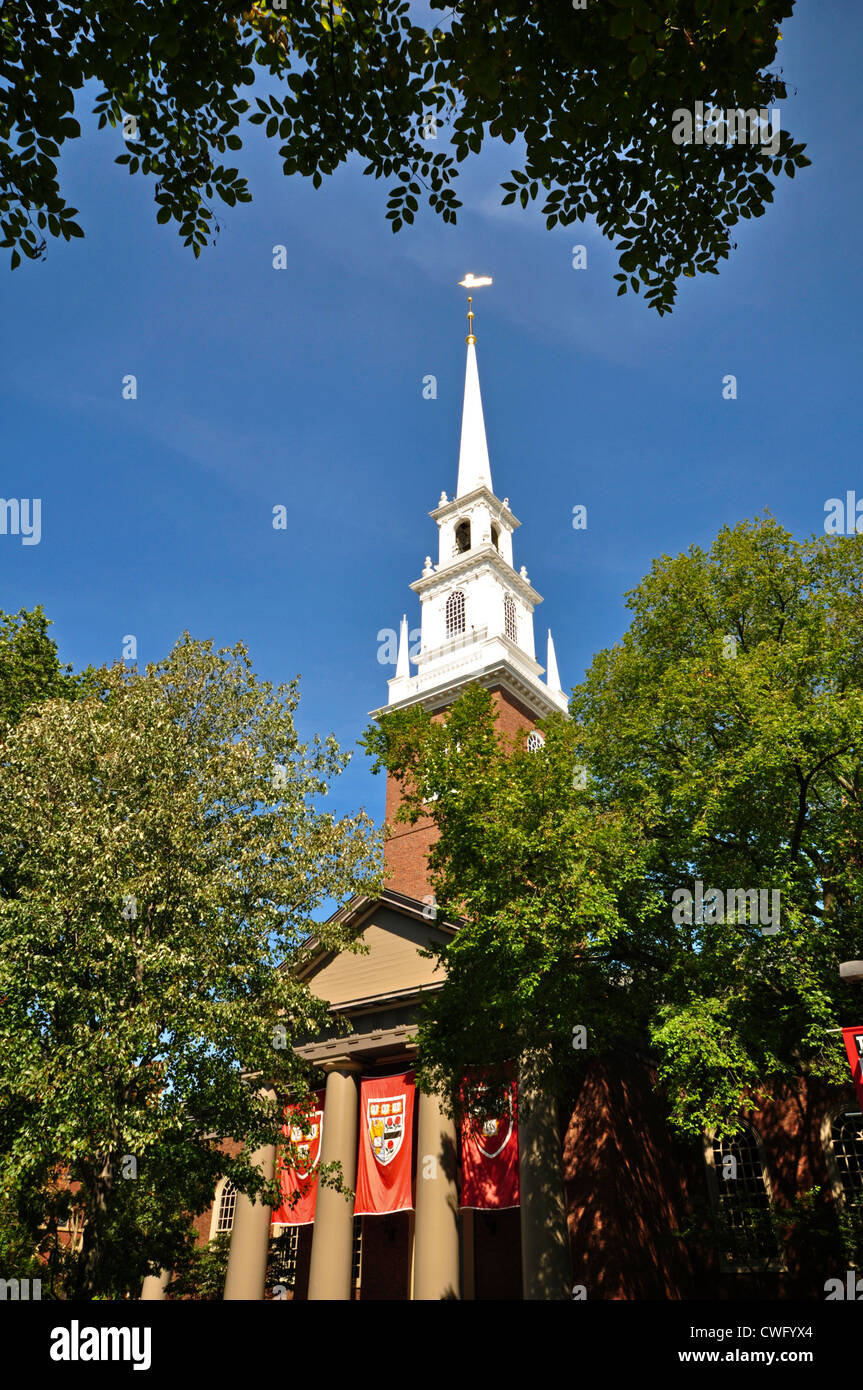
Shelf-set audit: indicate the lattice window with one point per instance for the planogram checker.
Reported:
(741, 1194)
(510, 626)
(455, 614)
(282, 1267)
(843, 1136)
(357, 1254)
(846, 1134)
(535, 740)
(227, 1207)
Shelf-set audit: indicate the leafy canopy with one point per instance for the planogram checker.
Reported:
(589, 91)
(720, 741)
(162, 854)
(30, 668)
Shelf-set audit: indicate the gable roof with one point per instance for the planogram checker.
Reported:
(395, 928)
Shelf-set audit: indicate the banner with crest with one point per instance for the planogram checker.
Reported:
(385, 1167)
(853, 1038)
(489, 1145)
(298, 1163)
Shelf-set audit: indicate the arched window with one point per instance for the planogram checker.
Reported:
(535, 740)
(495, 537)
(455, 613)
(509, 620)
(740, 1190)
(462, 537)
(224, 1206)
(842, 1137)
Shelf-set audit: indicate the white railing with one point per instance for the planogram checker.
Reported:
(464, 639)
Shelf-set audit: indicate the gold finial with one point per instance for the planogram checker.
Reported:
(473, 282)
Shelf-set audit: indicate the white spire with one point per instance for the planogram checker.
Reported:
(402, 664)
(552, 675)
(477, 608)
(474, 469)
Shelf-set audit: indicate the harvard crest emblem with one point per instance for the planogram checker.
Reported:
(307, 1145)
(492, 1131)
(386, 1126)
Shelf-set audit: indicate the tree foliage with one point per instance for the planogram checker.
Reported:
(721, 742)
(589, 91)
(30, 668)
(203, 1274)
(162, 852)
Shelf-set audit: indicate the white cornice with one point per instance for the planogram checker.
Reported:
(432, 694)
(483, 557)
(459, 504)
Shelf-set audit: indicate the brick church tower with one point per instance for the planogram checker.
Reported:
(477, 627)
(605, 1189)
(476, 623)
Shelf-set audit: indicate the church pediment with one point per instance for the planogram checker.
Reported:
(391, 968)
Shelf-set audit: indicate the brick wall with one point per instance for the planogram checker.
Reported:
(633, 1189)
(628, 1187)
(406, 851)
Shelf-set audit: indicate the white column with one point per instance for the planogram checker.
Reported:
(333, 1235)
(155, 1286)
(246, 1277)
(435, 1262)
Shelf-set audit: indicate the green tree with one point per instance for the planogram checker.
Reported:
(30, 668)
(167, 853)
(203, 1274)
(590, 90)
(18, 1250)
(721, 742)
(30, 671)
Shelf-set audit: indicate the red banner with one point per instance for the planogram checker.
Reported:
(854, 1047)
(489, 1147)
(298, 1169)
(385, 1167)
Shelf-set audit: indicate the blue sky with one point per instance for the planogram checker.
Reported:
(303, 387)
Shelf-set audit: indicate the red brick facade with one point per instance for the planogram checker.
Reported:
(408, 845)
(638, 1201)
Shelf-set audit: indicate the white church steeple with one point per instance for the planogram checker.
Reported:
(477, 609)
(474, 469)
